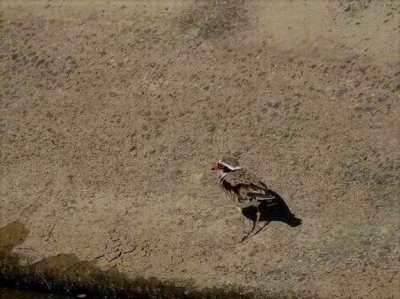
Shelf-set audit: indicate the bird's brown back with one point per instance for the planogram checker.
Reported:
(242, 182)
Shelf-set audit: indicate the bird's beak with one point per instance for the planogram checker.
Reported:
(214, 167)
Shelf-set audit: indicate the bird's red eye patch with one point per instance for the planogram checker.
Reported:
(217, 166)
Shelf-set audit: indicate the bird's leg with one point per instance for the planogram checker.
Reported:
(266, 223)
(258, 214)
(253, 228)
(248, 234)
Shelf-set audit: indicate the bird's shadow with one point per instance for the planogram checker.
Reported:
(278, 211)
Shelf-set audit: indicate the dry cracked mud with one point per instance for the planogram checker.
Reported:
(112, 113)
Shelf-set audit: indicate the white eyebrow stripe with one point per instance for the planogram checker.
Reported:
(230, 167)
(235, 168)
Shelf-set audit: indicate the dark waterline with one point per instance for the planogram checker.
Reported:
(6, 293)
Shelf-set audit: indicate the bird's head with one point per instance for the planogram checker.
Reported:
(225, 165)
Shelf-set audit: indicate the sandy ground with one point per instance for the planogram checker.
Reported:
(112, 114)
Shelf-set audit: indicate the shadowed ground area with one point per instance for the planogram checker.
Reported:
(112, 113)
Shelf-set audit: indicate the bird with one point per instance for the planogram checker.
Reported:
(244, 188)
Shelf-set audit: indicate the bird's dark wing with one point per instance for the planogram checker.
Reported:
(247, 186)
